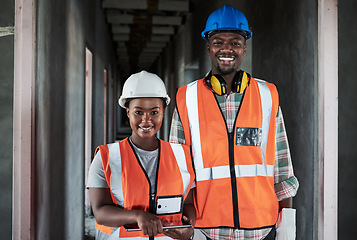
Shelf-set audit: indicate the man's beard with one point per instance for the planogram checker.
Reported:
(225, 72)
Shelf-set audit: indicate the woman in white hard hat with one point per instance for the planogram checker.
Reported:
(140, 187)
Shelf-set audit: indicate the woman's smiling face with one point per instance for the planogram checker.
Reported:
(145, 117)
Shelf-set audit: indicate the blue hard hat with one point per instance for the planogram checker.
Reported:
(226, 18)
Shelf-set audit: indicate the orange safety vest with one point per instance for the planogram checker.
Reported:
(130, 187)
(234, 171)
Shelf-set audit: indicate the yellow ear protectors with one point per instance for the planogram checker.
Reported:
(218, 84)
(241, 80)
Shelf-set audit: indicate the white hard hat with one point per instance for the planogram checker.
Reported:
(143, 84)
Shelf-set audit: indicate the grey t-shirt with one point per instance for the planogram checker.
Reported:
(148, 159)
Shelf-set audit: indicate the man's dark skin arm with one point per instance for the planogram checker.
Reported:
(286, 203)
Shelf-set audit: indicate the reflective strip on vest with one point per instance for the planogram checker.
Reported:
(267, 104)
(116, 176)
(181, 162)
(220, 172)
(192, 111)
(240, 170)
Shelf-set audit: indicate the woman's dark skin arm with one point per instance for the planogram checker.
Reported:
(188, 216)
(108, 214)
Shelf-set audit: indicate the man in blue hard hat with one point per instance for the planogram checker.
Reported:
(233, 122)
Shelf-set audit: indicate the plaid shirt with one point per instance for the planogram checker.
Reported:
(286, 184)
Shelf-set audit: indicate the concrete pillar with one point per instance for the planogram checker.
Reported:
(24, 87)
(328, 119)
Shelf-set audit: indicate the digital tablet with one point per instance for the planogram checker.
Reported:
(134, 227)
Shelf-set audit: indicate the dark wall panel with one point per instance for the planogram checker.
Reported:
(347, 151)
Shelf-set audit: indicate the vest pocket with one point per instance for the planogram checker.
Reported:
(248, 136)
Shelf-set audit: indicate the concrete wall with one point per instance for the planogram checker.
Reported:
(64, 30)
(347, 151)
(103, 60)
(6, 117)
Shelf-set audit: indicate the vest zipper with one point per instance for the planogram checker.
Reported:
(231, 167)
(154, 193)
(233, 179)
(151, 193)
(231, 161)
(152, 203)
(152, 207)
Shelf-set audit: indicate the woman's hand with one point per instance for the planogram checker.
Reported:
(107, 213)
(180, 233)
(149, 223)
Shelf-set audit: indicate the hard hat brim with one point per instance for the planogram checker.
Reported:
(205, 33)
(122, 100)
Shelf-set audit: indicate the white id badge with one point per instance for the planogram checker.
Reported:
(169, 205)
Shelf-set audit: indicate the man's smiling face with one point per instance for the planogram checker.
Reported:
(226, 50)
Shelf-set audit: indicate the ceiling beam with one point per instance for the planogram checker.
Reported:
(148, 56)
(132, 4)
(120, 29)
(166, 20)
(120, 18)
(142, 29)
(154, 20)
(155, 30)
(163, 30)
(121, 44)
(160, 38)
(122, 51)
(163, 5)
(155, 44)
(121, 37)
(152, 50)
